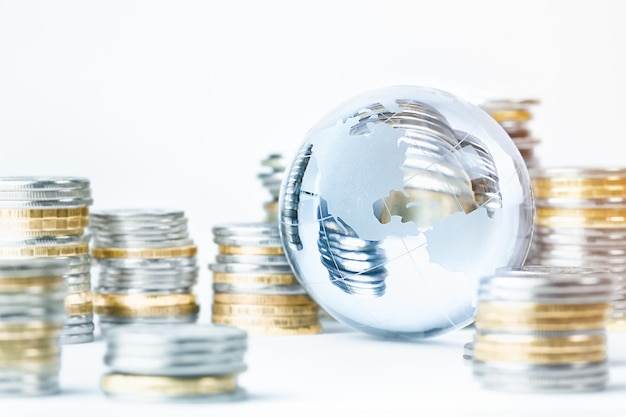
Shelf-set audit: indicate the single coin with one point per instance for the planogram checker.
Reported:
(174, 252)
(143, 300)
(251, 250)
(266, 321)
(254, 278)
(263, 299)
(264, 310)
(145, 311)
(120, 383)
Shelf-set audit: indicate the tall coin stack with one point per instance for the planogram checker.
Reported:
(542, 329)
(581, 221)
(147, 267)
(254, 287)
(32, 294)
(46, 217)
(274, 166)
(513, 116)
(175, 362)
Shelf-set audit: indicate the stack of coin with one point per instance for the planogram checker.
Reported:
(46, 217)
(542, 329)
(513, 116)
(581, 221)
(174, 362)
(32, 294)
(254, 286)
(274, 166)
(146, 266)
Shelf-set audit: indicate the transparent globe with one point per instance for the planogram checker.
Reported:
(395, 206)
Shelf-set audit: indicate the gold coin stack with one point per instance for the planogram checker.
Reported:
(514, 116)
(175, 362)
(542, 329)
(274, 166)
(146, 266)
(32, 314)
(581, 221)
(254, 287)
(47, 217)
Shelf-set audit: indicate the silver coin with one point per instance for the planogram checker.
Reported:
(235, 348)
(142, 214)
(78, 319)
(148, 237)
(252, 259)
(147, 358)
(43, 204)
(148, 264)
(468, 353)
(258, 289)
(246, 229)
(74, 339)
(50, 386)
(276, 161)
(236, 268)
(47, 241)
(143, 243)
(139, 228)
(261, 241)
(190, 270)
(145, 366)
(78, 288)
(32, 268)
(168, 334)
(153, 320)
(43, 183)
(41, 195)
(145, 287)
(561, 285)
(48, 300)
(78, 329)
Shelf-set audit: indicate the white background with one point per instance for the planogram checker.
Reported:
(175, 103)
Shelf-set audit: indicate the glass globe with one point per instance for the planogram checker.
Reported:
(395, 206)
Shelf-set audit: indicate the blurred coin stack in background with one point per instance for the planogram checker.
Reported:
(581, 221)
(32, 314)
(254, 287)
(271, 177)
(47, 217)
(542, 329)
(175, 362)
(513, 116)
(147, 267)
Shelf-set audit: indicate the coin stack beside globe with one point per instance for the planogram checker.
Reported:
(542, 329)
(174, 362)
(513, 116)
(254, 287)
(581, 221)
(32, 314)
(47, 217)
(274, 166)
(147, 267)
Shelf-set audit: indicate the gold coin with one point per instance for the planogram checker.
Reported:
(134, 301)
(544, 325)
(145, 253)
(283, 331)
(266, 321)
(254, 279)
(145, 311)
(24, 284)
(579, 188)
(271, 206)
(79, 249)
(29, 331)
(31, 354)
(251, 250)
(601, 218)
(40, 366)
(264, 310)
(511, 115)
(537, 358)
(262, 299)
(539, 311)
(79, 303)
(44, 213)
(167, 385)
(44, 224)
(535, 344)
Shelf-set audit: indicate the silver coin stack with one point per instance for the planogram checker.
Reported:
(147, 267)
(581, 221)
(32, 314)
(254, 286)
(274, 166)
(175, 362)
(47, 217)
(542, 329)
(514, 116)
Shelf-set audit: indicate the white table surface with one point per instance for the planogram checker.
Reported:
(338, 372)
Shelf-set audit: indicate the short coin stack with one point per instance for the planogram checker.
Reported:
(32, 293)
(46, 217)
(147, 267)
(542, 329)
(175, 362)
(581, 221)
(254, 286)
(513, 116)
(273, 173)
